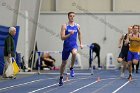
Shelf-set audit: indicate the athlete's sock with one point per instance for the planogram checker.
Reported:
(61, 77)
(61, 81)
(71, 68)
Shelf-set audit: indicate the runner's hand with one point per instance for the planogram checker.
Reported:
(81, 46)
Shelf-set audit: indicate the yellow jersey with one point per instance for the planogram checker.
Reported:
(134, 44)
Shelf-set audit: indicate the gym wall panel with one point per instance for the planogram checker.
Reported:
(48, 5)
(7, 15)
(127, 5)
(92, 5)
(28, 24)
(98, 5)
(48, 34)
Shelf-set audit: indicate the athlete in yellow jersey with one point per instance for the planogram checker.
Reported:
(134, 49)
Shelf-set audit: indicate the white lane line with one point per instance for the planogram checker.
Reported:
(20, 84)
(104, 86)
(120, 87)
(76, 80)
(83, 87)
(53, 85)
(45, 87)
(90, 84)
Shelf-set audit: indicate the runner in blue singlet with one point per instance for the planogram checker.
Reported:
(69, 33)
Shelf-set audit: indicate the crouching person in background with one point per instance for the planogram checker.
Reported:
(94, 48)
(48, 61)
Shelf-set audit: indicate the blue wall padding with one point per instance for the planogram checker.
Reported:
(4, 30)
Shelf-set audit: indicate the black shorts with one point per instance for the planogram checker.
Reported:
(123, 55)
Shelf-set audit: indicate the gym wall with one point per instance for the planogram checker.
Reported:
(103, 28)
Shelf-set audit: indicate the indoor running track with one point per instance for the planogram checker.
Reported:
(102, 81)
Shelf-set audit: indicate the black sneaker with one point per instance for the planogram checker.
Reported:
(12, 77)
(132, 70)
(60, 82)
(130, 77)
(72, 73)
(137, 71)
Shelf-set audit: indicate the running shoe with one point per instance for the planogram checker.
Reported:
(72, 73)
(130, 77)
(60, 82)
(137, 71)
(122, 75)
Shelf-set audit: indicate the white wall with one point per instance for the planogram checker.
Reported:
(127, 5)
(10, 16)
(7, 15)
(31, 7)
(91, 5)
(94, 27)
(48, 5)
(13, 13)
